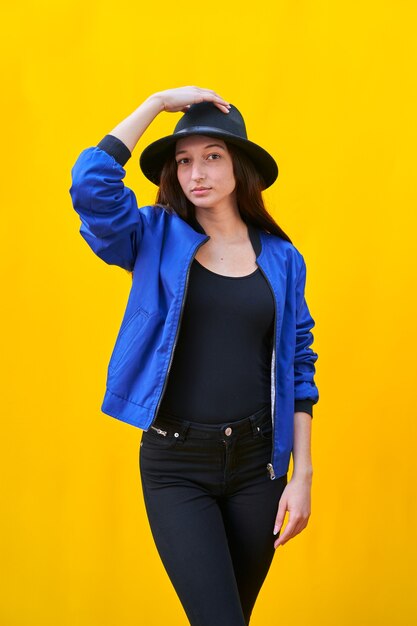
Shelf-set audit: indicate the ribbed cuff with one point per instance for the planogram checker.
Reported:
(116, 148)
(306, 406)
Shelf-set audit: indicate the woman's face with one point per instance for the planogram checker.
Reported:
(205, 171)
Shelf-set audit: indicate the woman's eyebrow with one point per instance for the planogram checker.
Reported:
(210, 145)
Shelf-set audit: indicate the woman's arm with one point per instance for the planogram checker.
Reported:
(296, 497)
(132, 128)
(111, 223)
(302, 463)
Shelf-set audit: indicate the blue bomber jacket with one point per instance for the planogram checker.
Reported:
(158, 247)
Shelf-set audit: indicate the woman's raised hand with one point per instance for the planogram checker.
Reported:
(132, 128)
(181, 98)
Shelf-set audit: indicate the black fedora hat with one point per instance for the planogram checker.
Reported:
(204, 118)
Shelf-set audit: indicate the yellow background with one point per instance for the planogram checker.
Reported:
(329, 88)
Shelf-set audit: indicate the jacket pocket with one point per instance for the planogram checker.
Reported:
(127, 336)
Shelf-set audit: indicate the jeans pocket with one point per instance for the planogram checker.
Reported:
(158, 438)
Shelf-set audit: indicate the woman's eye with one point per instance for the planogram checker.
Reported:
(185, 160)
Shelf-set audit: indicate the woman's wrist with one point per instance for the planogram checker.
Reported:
(131, 129)
(156, 100)
(304, 474)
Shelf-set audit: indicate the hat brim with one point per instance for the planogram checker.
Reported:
(155, 155)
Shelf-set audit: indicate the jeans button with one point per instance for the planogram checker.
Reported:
(228, 431)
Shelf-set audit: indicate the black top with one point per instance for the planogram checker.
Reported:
(221, 368)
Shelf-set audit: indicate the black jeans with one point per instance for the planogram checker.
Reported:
(211, 507)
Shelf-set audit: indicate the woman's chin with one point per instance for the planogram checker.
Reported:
(203, 203)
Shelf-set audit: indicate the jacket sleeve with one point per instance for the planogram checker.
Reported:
(305, 390)
(111, 222)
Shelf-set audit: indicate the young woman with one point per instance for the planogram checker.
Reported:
(213, 358)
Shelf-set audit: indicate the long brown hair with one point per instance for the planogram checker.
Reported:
(249, 185)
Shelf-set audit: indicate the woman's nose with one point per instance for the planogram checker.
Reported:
(197, 171)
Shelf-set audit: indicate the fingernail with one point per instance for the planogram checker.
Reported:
(275, 530)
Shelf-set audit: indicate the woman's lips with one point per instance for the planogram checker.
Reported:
(200, 192)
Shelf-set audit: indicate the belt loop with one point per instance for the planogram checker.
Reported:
(185, 425)
(255, 428)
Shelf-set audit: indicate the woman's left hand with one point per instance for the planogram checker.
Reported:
(296, 499)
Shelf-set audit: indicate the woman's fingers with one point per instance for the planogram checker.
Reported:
(209, 94)
(293, 527)
(282, 507)
(296, 500)
(181, 98)
(223, 107)
(296, 523)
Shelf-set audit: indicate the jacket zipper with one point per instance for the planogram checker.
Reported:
(270, 466)
(159, 431)
(178, 325)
